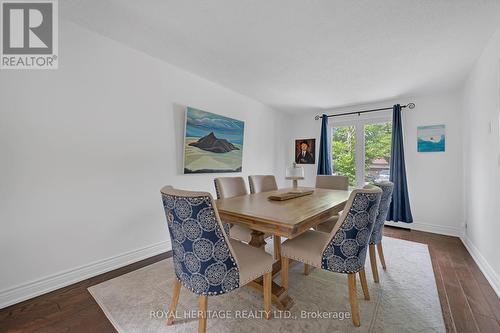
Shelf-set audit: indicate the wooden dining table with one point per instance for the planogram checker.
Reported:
(288, 218)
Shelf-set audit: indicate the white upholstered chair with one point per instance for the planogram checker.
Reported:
(344, 249)
(262, 183)
(331, 183)
(206, 261)
(228, 187)
(266, 183)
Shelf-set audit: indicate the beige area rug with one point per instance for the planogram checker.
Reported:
(405, 300)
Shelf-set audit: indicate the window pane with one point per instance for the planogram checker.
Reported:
(344, 152)
(377, 151)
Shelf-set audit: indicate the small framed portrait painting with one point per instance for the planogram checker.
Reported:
(305, 151)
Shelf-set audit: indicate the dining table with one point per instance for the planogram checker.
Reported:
(287, 218)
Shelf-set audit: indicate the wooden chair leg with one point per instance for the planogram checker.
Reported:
(277, 247)
(268, 280)
(173, 303)
(202, 321)
(284, 272)
(364, 284)
(381, 255)
(373, 262)
(306, 269)
(353, 298)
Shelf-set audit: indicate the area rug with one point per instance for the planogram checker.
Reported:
(405, 300)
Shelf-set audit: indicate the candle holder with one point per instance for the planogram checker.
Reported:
(294, 173)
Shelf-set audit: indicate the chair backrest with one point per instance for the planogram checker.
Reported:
(262, 183)
(385, 202)
(228, 187)
(204, 260)
(332, 182)
(345, 252)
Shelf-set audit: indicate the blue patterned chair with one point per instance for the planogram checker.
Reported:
(378, 229)
(206, 261)
(344, 249)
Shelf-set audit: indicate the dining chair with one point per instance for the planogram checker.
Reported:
(262, 183)
(378, 228)
(344, 249)
(228, 187)
(266, 183)
(329, 182)
(332, 182)
(206, 261)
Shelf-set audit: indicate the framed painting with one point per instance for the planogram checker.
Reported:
(305, 151)
(431, 139)
(212, 143)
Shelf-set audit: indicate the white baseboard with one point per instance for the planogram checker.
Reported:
(483, 264)
(44, 285)
(427, 227)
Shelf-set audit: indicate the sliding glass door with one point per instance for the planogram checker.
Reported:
(361, 148)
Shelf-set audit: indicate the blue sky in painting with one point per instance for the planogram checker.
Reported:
(200, 123)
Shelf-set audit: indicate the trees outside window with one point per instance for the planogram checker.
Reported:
(361, 150)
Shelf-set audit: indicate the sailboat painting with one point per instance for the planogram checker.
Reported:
(212, 143)
(431, 138)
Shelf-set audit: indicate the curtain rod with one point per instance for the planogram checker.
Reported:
(409, 106)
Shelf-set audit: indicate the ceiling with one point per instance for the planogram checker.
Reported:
(298, 55)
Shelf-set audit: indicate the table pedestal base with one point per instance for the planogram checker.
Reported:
(279, 295)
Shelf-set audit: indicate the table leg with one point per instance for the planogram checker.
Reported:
(258, 239)
(279, 295)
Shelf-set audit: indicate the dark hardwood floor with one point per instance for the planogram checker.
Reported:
(469, 303)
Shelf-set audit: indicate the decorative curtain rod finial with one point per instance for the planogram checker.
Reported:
(411, 105)
(317, 117)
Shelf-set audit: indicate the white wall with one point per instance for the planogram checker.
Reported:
(85, 150)
(434, 179)
(482, 161)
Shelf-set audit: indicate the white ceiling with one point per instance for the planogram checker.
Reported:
(300, 55)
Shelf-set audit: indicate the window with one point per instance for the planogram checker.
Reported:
(361, 148)
(344, 152)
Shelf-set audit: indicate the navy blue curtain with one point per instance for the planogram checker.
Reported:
(325, 150)
(400, 205)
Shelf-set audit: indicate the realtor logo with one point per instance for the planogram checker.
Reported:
(29, 34)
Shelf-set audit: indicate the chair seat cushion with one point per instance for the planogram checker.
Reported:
(328, 225)
(252, 262)
(306, 248)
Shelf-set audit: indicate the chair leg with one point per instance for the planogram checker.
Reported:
(173, 304)
(268, 280)
(284, 272)
(202, 321)
(373, 262)
(381, 255)
(353, 298)
(364, 284)
(306, 269)
(277, 247)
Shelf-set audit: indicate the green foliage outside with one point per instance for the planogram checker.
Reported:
(344, 152)
(377, 145)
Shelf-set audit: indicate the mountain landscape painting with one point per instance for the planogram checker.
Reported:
(431, 139)
(212, 143)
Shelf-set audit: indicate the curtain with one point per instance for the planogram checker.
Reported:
(400, 205)
(325, 150)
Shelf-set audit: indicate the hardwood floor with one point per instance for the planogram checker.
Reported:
(469, 303)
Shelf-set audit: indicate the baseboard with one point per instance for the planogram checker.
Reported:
(432, 228)
(38, 287)
(483, 264)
